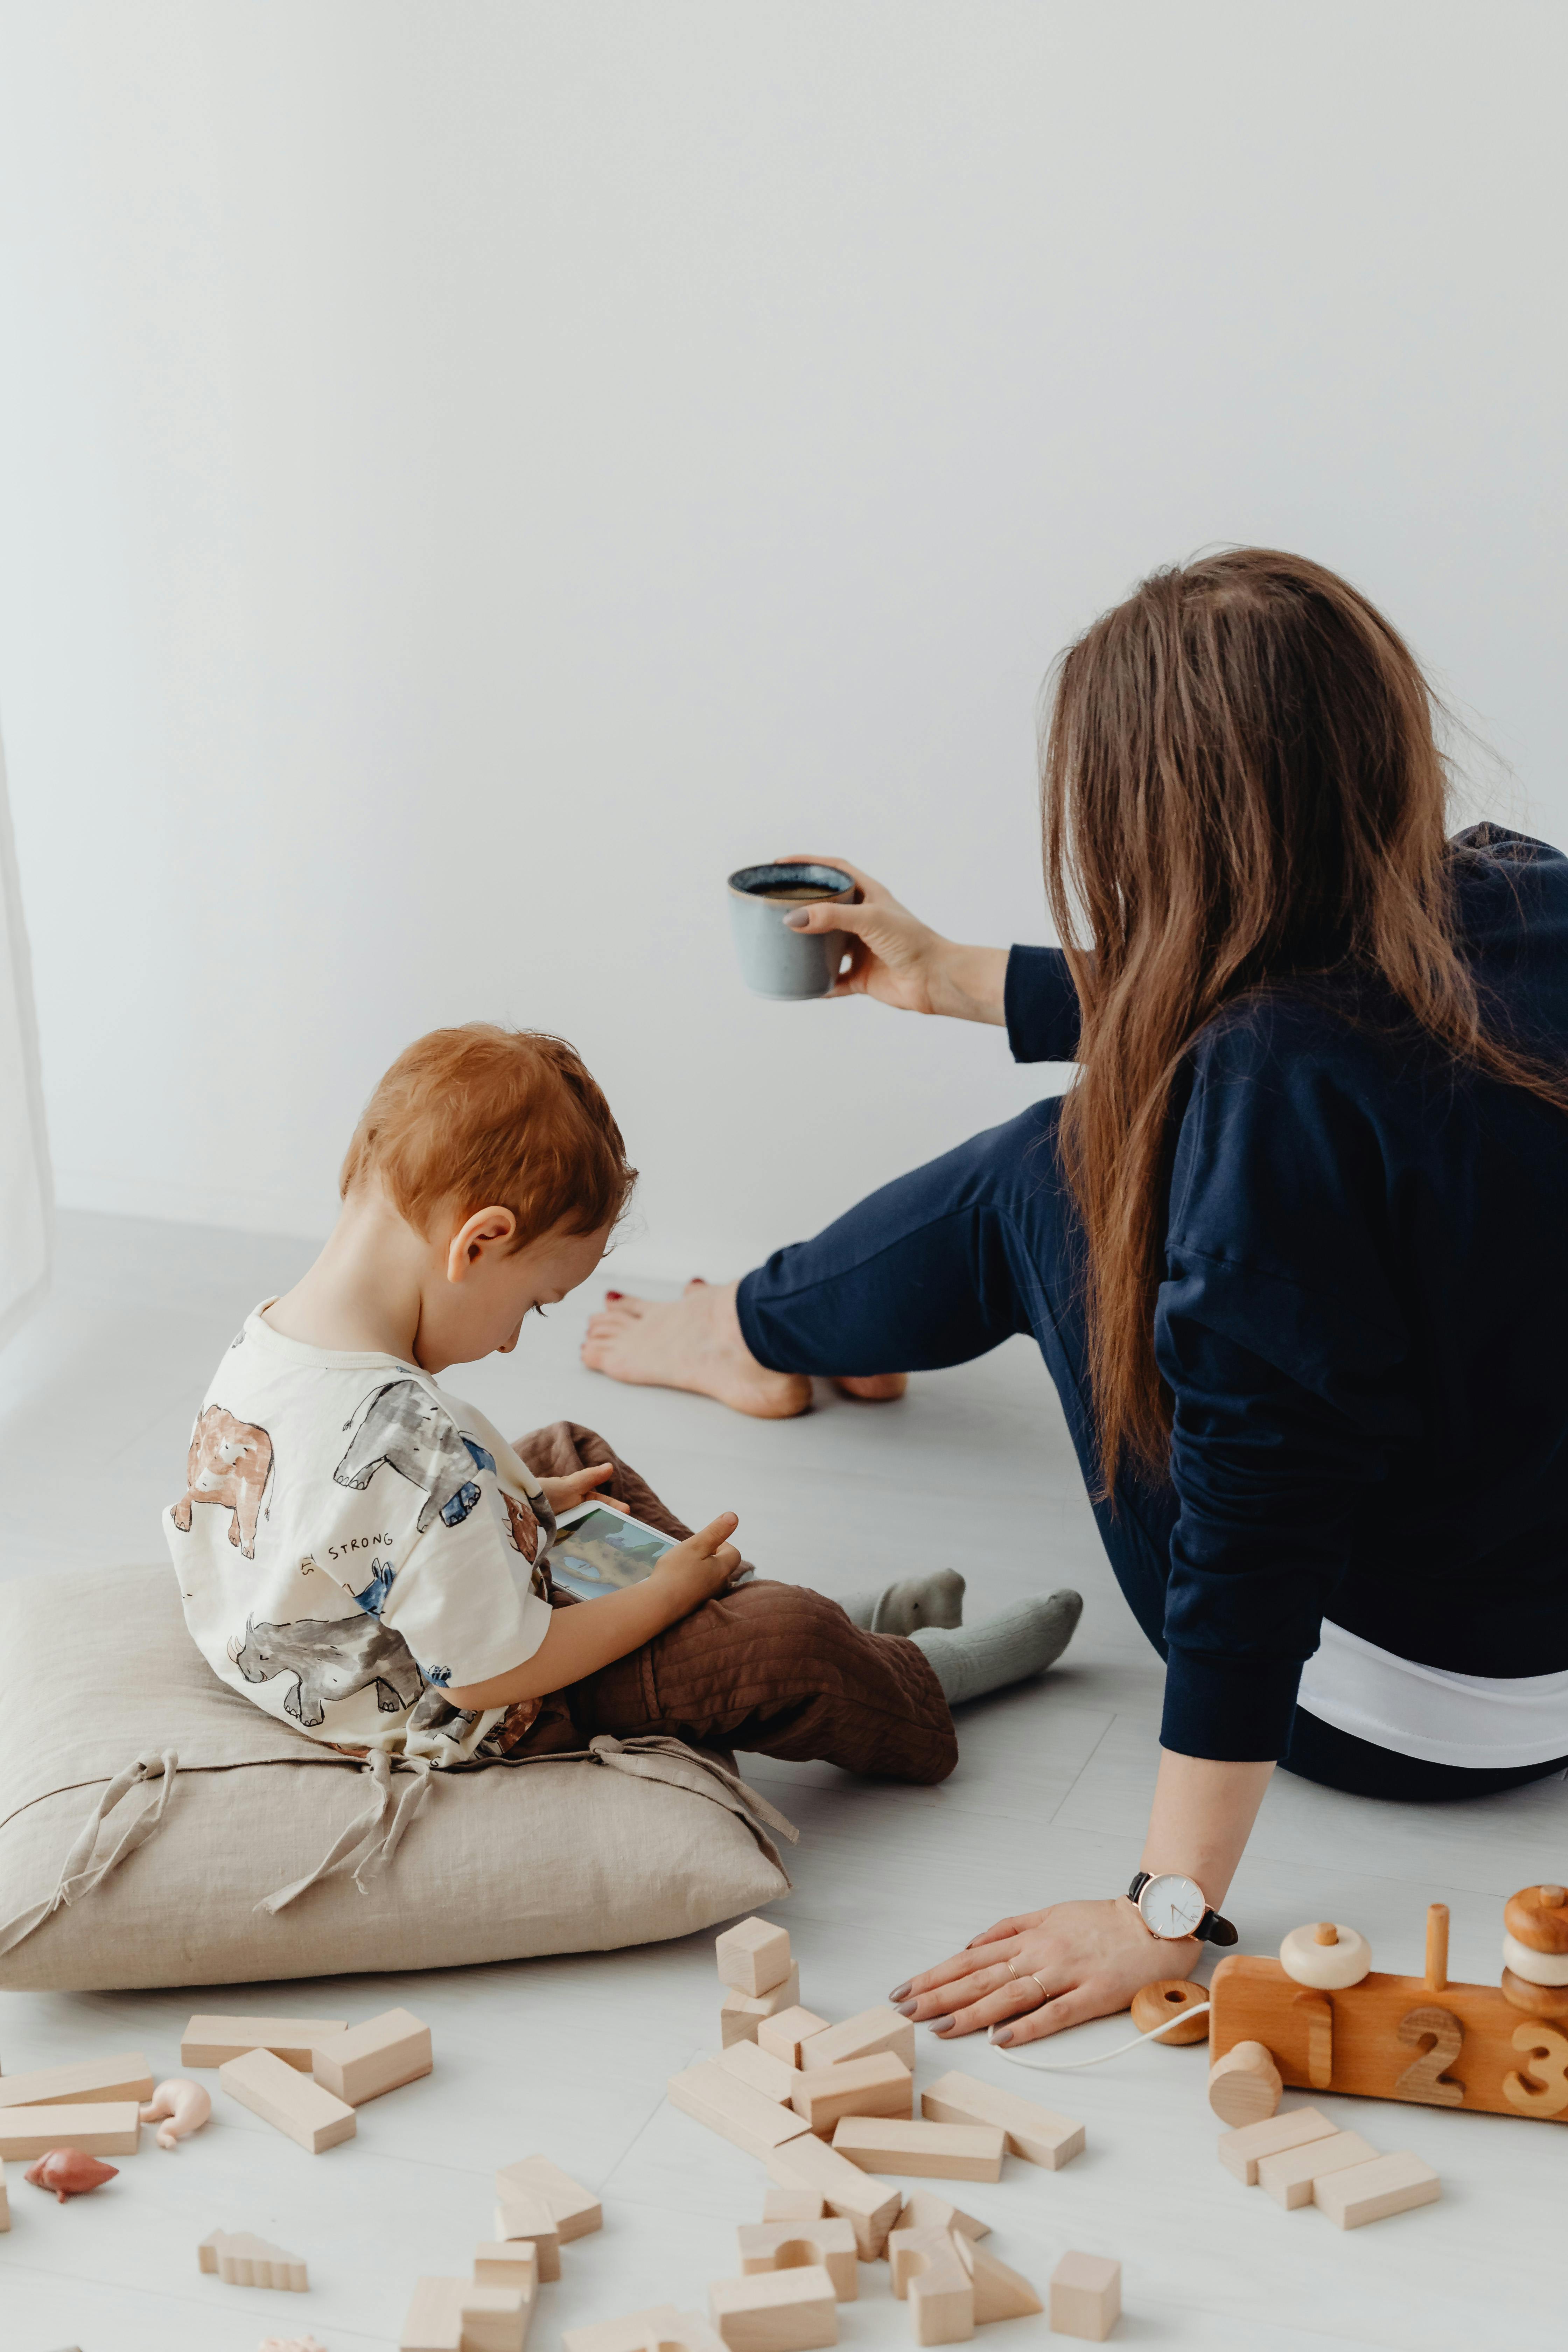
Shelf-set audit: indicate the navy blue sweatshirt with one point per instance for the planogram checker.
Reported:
(1363, 1322)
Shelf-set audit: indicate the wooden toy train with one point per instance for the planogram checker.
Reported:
(1330, 2023)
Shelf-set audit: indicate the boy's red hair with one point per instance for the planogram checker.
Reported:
(483, 1116)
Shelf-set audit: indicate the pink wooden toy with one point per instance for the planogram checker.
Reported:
(68, 2172)
(186, 2107)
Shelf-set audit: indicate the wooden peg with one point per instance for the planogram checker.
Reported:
(1436, 1946)
(1325, 1932)
(1245, 2085)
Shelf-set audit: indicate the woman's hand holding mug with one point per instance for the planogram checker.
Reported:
(900, 960)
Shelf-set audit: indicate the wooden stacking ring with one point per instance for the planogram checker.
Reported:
(1156, 2004)
(1537, 1917)
(1536, 1967)
(1326, 1957)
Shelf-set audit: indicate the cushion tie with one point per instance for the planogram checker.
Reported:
(79, 1873)
(372, 1838)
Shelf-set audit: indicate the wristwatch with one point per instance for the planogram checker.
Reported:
(1171, 1907)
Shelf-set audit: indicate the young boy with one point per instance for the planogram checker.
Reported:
(366, 1558)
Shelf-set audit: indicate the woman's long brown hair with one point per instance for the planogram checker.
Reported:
(1241, 784)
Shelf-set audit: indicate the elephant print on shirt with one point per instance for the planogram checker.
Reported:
(230, 1462)
(331, 1658)
(403, 1427)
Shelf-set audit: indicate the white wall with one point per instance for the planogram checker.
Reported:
(470, 474)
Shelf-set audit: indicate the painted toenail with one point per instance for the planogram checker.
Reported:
(900, 1992)
(615, 1294)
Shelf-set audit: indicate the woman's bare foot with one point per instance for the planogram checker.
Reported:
(691, 1342)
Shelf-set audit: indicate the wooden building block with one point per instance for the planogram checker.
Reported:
(933, 2151)
(1242, 2151)
(522, 2216)
(450, 2315)
(1371, 2192)
(578, 2212)
(380, 2055)
(1031, 2131)
(741, 2015)
(1244, 2085)
(883, 2086)
(111, 2130)
(99, 2080)
(865, 2035)
(782, 2034)
(775, 2311)
(1288, 2177)
(999, 2292)
(213, 2040)
(734, 2109)
(752, 1957)
(508, 2263)
(750, 2063)
(872, 2205)
(634, 2331)
(792, 2205)
(241, 2259)
(1086, 2296)
(6, 2204)
(828, 2246)
(928, 2272)
(925, 2209)
(287, 2100)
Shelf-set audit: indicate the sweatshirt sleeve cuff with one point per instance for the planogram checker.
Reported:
(1041, 1005)
(1235, 1710)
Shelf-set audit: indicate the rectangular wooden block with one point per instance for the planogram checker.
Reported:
(733, 2109)
(752, 1957)
(792, 2205)
(750, 2063)
(928, 2272)
(741, 2015)
(111, 2129)
(864, 2036)
(883, 2086)
(634, 2331)
(1086, 2296)
(1288, 2177)
(782, 2034)
(781, 2311)
(508, 2263)
(287, 2100)
(1371, 2192)
(101, 2080)
(522, 2215)
(798, 2245)
(1031, 2131)
(578, 2212)
(872, 2205)
(925, 2209)
(380, 2055)
(1242, 2151)
(933, 2151)
(213, 2040)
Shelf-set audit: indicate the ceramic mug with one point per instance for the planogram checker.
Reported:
(788, 966)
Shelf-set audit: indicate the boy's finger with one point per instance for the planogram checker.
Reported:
(711, 1537)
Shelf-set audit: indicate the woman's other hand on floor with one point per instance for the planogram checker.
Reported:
(898, 959)
(1090, 1957)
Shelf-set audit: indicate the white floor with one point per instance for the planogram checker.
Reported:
(569, 2056)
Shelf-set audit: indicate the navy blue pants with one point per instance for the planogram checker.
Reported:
(942, 1266)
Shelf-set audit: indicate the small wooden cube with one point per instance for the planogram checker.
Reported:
(782, 2034)
(778, 2311)
(933, 2151)
(754, 1957)
(1290, 2176)
(1242, 2151)
(508, 2261)
(378, 2056)
(741, 2014)
(522, 2217)
(1371, 2192)
(1086, 2296)
(800, 2245)
(313, 2118)
(883, 2086)
(792, 2205)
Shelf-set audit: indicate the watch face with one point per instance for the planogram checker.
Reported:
(1172, 1905)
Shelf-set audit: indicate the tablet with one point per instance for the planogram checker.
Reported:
(597, 1552)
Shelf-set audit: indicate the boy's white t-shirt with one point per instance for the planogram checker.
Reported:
(351, 1542)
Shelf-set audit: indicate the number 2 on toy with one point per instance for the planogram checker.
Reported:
(1544, 2090)
(1426, 2080)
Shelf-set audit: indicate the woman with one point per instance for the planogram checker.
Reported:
(1295, 1245)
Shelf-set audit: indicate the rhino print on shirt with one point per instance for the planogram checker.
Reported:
(405, 1430)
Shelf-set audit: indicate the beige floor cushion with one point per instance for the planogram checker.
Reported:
(157, 1830)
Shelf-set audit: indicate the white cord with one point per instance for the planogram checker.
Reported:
(1072, 2065)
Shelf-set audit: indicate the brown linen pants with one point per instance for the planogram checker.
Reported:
(772, 1669)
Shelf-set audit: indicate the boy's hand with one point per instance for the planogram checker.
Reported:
(702, 1567)
(565, 1494)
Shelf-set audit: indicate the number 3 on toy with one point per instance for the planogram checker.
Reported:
(1548, 2053)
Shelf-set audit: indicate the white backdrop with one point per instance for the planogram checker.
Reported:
(471, 474)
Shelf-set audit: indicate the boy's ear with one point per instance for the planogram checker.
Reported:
(486, 1229)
